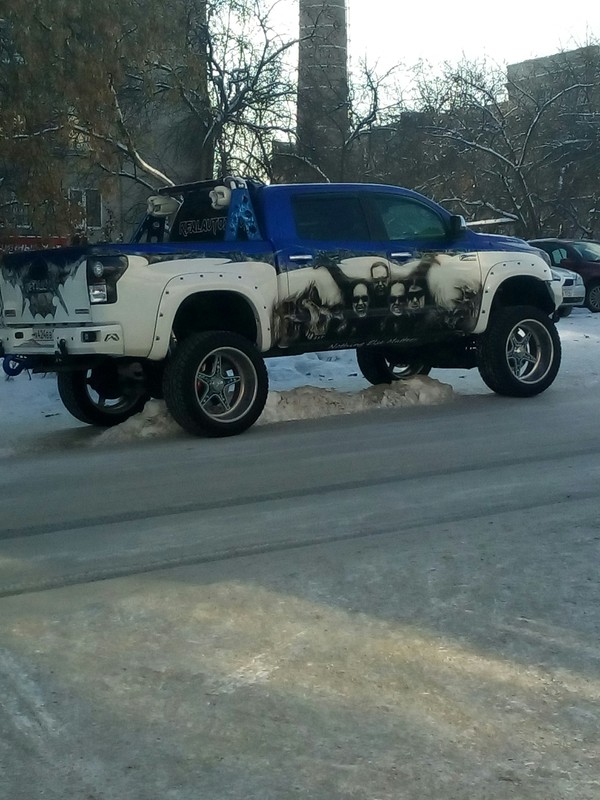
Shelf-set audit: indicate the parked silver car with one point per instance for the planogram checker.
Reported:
(573, 289)
(572, 285)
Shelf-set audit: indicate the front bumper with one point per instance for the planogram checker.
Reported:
(572, 301)
(573, 295)
(56, 341)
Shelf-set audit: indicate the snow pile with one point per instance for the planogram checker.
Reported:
(153, 422)
(308, 402)
(302, 402)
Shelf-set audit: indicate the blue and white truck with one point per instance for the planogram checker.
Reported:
(223, 274)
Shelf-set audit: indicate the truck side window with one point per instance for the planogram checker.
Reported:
(329, 217)
(404, 218)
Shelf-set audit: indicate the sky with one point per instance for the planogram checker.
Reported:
(32, 417)
(393, 32)
(508, 32)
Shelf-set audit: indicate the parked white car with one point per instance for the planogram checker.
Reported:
(571, 284)
(573, 290)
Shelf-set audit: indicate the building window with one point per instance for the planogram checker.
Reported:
(90, 202)
(14, 214)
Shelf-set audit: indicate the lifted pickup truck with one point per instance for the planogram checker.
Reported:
(222, 274)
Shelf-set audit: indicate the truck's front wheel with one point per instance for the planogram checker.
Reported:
(102, 396)
(520, 353)
(216, 384)
(383, 366)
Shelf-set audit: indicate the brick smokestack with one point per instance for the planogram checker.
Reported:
(322, 124)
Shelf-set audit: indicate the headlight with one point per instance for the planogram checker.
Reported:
(556, 276)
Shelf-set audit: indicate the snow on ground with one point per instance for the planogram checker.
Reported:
(314, 385)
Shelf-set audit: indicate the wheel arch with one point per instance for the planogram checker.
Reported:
(216, 310)
(518, 290)
(211, 309)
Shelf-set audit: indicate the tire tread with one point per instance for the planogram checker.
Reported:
(492, 365)
(179, 402)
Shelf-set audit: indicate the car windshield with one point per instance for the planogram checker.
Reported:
(590, 251)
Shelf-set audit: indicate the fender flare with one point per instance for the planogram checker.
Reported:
(259, 294)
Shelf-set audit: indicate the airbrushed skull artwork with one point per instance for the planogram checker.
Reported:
(42, 280)
(347, 299)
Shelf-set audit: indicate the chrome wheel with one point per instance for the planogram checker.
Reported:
(379, 365)
(105, 395)
(519, 354)
(400, 371)
(529, 351)
(216, 383)
(226, 384)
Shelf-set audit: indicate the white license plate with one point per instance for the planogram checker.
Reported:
(43, 335)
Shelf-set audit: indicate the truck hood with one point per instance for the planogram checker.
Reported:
(494, 241)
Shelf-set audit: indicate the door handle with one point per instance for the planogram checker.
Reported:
(401, 255)
(303, 257)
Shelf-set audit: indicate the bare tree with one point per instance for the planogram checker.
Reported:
(523, 146)
(133, 92)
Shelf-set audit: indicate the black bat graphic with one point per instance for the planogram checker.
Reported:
(41, 275)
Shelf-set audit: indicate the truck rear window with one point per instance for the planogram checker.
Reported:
(198, 221)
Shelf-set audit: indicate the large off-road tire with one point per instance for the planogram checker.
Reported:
(100, 396)
(381, 366)
(565, 311)
(592, 297)
(520, 353)
(216, 384)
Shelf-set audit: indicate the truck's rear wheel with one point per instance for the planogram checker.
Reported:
(216, 384)
(102, 395)
(520, 353)
(383, 366)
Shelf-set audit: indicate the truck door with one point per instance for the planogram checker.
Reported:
(432, 286)
(328, 264)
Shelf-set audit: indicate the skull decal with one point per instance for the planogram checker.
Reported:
(41, 279)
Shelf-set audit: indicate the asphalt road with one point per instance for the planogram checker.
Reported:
(403, 604)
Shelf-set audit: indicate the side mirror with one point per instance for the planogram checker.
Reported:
(457, 224)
